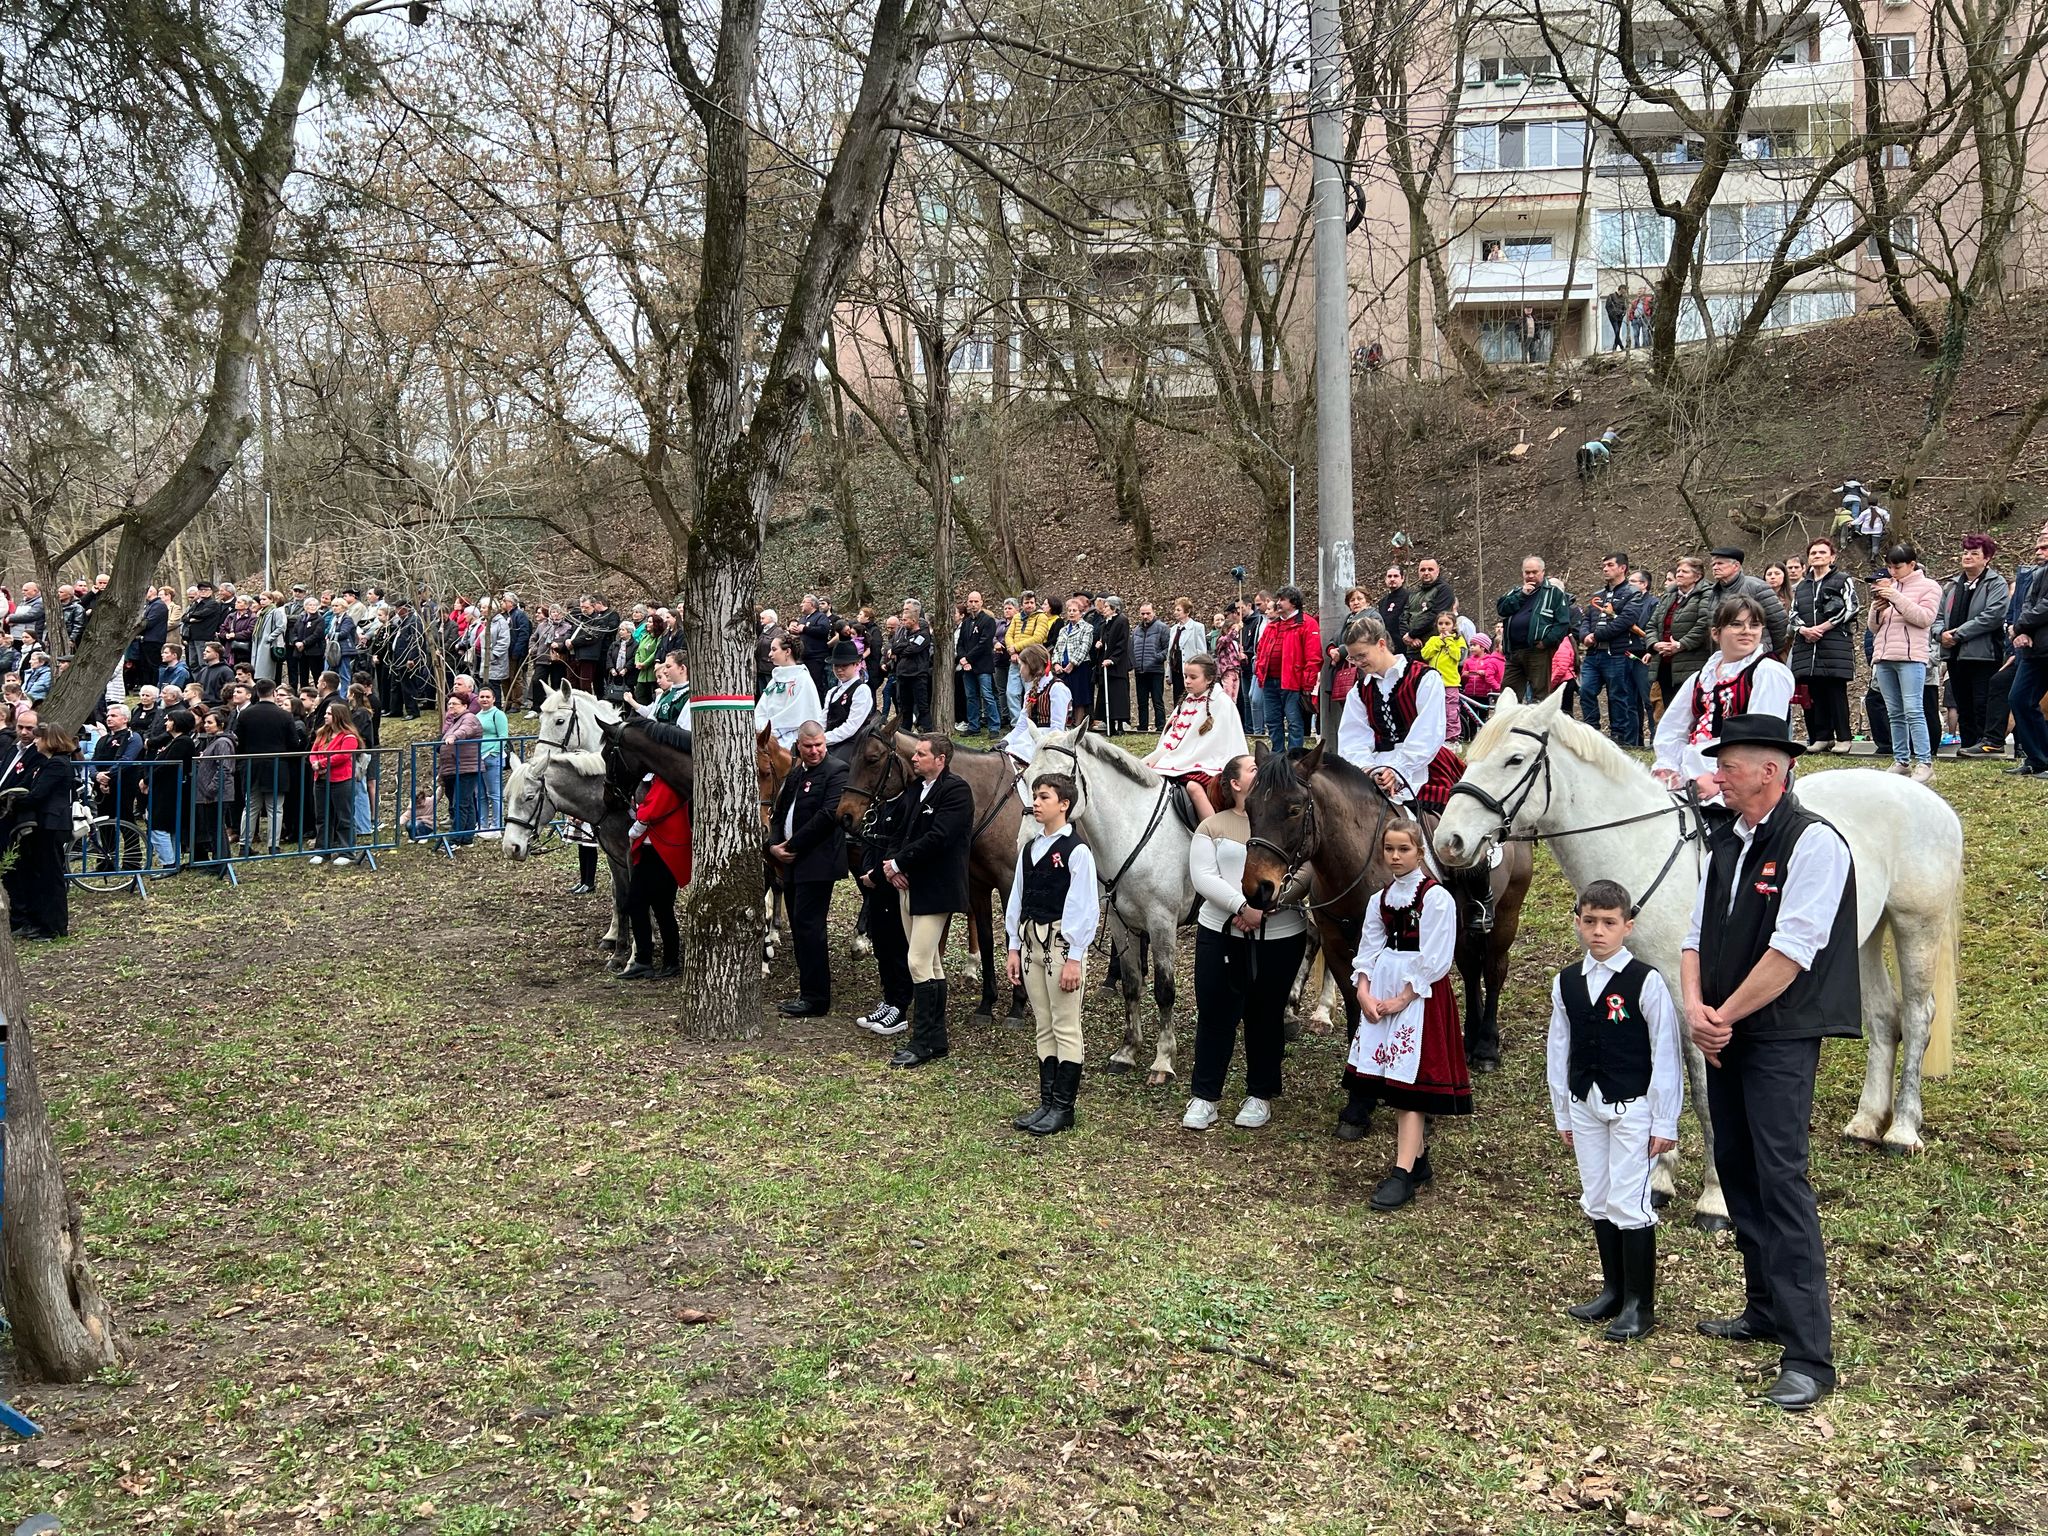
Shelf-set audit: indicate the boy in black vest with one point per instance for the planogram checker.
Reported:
(1051, 918)
(1617, 1083)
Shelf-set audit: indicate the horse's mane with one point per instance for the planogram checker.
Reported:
(1277, 772)
(1575, 736)
(661, 733)
(1108, 753)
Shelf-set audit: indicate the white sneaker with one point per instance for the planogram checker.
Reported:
(1923, 773)
(316, 859)
(1256, 1112)
(886, 1020)
(1201, 1114)
(1901, 769)
(342, 861)
(490, 834)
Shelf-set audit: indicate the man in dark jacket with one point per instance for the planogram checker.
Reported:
(1536, 616)
(1432, 596)
(201, 622)
(116, 787)
(1970, 627)
(1149, 640)
(930, 871)
(1113, 656)
(269, 745)
(2030, 665)
(1730, 578)
(145, 651)
(910, 665)
(814, 629)
(522, 633)
(1393, 606)
(1610, 648)
(1823, 652)
(977, 665)
(806, 840)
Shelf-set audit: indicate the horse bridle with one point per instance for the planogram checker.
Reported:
(540, 798)
(1691, 827)
(1295, 859)
(864, 829)
(1152, 825)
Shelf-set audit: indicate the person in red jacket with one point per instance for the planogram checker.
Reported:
(660, 842)
(1289, 661)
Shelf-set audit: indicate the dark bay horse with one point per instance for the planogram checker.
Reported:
(1321, 813)
(878, 769)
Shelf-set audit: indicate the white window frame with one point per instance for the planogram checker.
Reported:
(1896, 56)
(1269, 208)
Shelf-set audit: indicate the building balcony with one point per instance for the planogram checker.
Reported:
(1507, 281)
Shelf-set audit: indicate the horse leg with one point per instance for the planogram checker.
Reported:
(1881, 1012)
(1481, 1055)
(984, 938)
(1917, 952)
(1165, 957)
(1125, 951)
(1710, 1211)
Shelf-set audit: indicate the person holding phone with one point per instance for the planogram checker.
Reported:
(1903, 603)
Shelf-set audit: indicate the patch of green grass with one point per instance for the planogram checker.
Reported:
(406, 1208)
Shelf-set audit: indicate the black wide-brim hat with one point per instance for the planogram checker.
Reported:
(845, 654)
(1755, 731)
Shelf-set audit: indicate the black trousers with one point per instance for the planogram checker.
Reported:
(36, 894)
(892, 945)
(1239, 979)
(1151, 690)
(914, 700)
(1827, 709)
(1760, 1099)
(1972, 683)
(651, 899)
(810, 903)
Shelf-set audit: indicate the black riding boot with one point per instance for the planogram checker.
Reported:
(1058, 1114)
(928, 1025)
(1045, 1070)
(1608, 1302)
(1638, 1313)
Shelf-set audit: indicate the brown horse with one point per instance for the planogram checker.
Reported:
(878, 769)
(1321, 813)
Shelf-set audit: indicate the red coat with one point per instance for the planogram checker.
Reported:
(1290, 653)
(667, 821)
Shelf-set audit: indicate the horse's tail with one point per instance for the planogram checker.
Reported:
(1940, 1058)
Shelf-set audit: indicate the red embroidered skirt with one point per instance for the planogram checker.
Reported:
(1442, 1086)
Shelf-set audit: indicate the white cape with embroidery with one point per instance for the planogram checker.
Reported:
(1184, 747)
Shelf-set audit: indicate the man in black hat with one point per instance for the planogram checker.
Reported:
(806, 840)
(849, 701)
(1730, 578)
(1769, 971)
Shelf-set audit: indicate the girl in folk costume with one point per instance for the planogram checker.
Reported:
(1201, 739)
(1393, 725)
(1409, 1050)
(790, 698)
(1741, 678)
(1046, 703)
(660, 851)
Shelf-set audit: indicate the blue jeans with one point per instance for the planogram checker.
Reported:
(1607, 671)
(1255, 715)
(1288, 718)
(1014, 693)
(980, 688)
(346, 670)
(462, 803)
(1901, 683)
(366, 825)
(493, 777)
(163, 848)
(2029, 725)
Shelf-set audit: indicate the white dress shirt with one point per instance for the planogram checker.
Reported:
(1410, 758)
(1083, 909)
(1059, 701)
(856, 713)
(1667, 1067)
(1816, 875)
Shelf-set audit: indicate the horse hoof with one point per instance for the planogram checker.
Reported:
(1020, 1022)
(1659, 1198)
(1158, 1079)
(1704, 1221)
(983, 1020)
(1899, 1148)
(1861, 1143)
(1485, 1065)
(1117, 1068)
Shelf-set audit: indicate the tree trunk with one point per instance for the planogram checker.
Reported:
(939, 447)
(63, 1328)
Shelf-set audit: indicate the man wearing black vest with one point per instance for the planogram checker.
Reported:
(848, 702)
(930, 871)
(1769, 971)
(807, 841)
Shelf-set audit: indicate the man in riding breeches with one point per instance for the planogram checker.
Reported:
(930, 870)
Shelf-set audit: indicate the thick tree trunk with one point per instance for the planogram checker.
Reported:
(63, 1329)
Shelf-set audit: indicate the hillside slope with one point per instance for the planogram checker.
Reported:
(1842, 399)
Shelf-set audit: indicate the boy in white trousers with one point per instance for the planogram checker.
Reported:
(1617, 1084)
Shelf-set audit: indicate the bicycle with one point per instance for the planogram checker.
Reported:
(108, 853)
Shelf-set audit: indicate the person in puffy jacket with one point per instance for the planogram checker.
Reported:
(1288, 664)
(1822, 656)
(1971, 632)
(1903, 604)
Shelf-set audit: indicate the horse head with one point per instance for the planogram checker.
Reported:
(1281, 810)
(1505, 765)
(868, 774)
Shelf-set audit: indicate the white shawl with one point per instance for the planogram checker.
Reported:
(787, 702)
(1184, 747)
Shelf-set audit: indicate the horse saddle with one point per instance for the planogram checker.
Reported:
(1183, 804)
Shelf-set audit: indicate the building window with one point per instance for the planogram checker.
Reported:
(1632, 238)
(1898, 157)
(1531, 248)
(1523, 146)
(1269, 274)
(1502, 339)
(1895, 58)
(1270, 211)
(1660, 59)
(1724, 234)
(1261, 363)
(976, 354)
(1905, 232)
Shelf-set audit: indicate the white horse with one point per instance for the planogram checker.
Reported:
(1125, 811)
(566, 766)
(1540, 773)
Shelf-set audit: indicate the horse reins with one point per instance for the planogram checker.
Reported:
(1295, 860)
(541, 743)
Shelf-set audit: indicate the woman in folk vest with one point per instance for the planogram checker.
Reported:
(1393, 727)
(1409, 1051)
(1201, 739)
(1044, 704)
(1741, 678)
